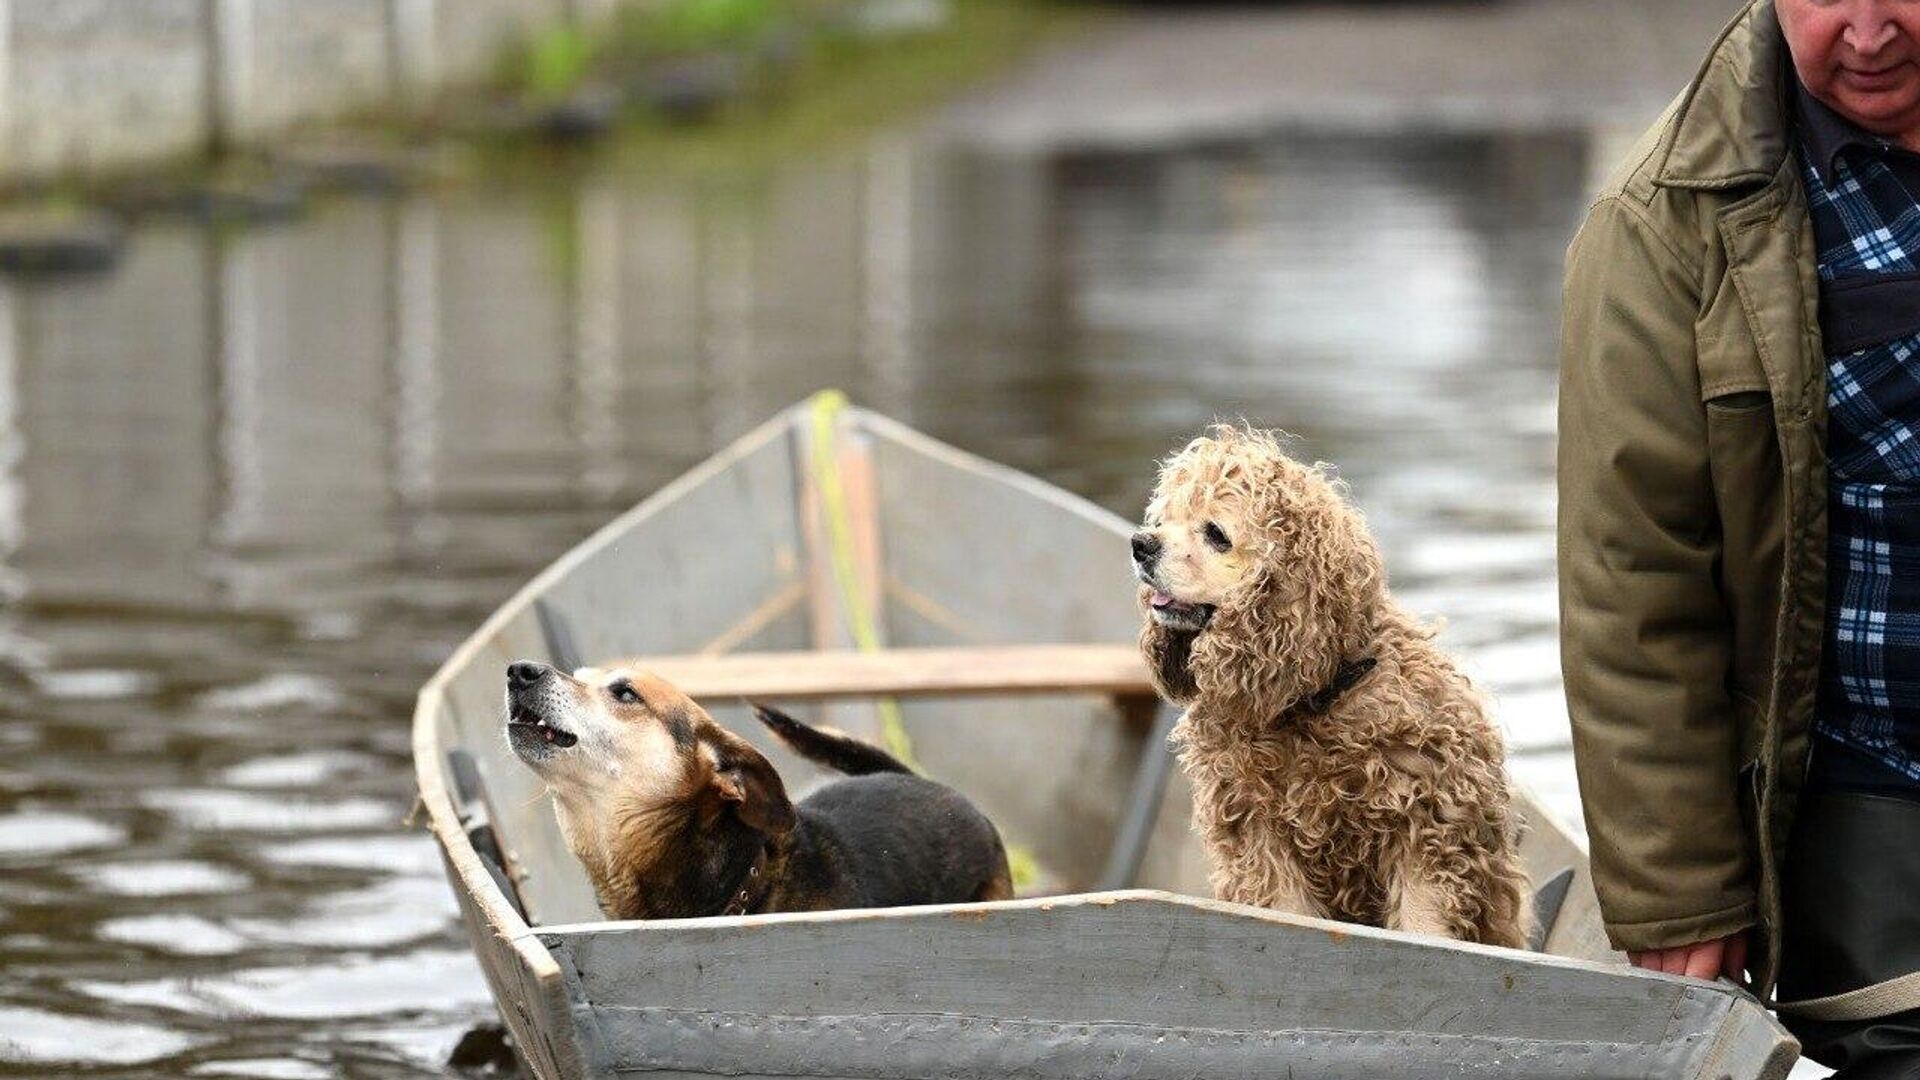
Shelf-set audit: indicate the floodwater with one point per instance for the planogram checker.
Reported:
(254, 486)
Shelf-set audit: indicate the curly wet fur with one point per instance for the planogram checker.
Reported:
(1391, 808)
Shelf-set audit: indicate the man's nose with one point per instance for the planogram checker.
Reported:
(524, 673)
(1146, 548)
(1868, 29)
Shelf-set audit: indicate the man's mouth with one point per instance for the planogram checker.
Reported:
(526, 723)
(1875, 78)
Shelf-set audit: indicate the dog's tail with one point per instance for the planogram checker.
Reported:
(842, 753)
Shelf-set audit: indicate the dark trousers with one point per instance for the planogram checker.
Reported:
(1851, 916)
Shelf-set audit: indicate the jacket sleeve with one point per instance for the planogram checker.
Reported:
(1645, 636)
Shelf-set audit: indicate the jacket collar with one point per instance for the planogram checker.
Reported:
(1734, 120)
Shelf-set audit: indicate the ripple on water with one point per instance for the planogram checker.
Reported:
(240, 811)
(399, 853)
(297, 770)
(174, 995)
(94, 684)
(280, 691)
(392, 912)
(160, 877)
(1458, 555)
(1523, 663)
(1549, 776)
(36, 834)
(183, 935)
(1492, 610)
(429, 981)
(31, 1035)
(263, 1069)
(1535, 721)
(331, 626)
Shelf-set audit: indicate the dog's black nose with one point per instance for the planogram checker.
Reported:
(524, 673)
(1146, 547)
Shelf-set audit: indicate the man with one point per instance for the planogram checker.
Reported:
(1740, 526)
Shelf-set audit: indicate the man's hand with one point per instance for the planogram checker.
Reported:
(1702, 960)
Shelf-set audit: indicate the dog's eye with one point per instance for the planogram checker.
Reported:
(624, 693)
(1216, 537)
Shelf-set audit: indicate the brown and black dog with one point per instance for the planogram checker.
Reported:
(674, 816)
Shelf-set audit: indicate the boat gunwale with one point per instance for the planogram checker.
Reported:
(1027, 483)
(1113, 898)
(1725, 1021)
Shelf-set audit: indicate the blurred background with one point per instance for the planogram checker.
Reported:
(325, 323)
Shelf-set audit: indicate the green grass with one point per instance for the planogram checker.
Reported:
(678, 26)
(832, 90)
(555, 61)
(844, 88)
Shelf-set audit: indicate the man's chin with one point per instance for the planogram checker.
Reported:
(1886, 109)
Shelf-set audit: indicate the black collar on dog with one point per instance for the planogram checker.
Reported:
(745, 898)
(1345, 679)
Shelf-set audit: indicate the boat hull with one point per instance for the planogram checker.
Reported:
(832, 528)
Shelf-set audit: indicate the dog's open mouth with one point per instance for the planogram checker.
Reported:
(1176, 614)
(527, 723)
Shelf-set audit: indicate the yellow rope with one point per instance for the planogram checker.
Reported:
(826, 407)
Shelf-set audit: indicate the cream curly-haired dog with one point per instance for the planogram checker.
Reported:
(1341, 766)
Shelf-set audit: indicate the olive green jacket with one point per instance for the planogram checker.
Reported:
(1693, 507)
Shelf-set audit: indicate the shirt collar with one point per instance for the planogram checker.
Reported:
(1825, 132)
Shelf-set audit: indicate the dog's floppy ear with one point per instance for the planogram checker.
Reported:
(744, 777)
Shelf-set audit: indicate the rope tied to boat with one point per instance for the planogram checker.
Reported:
(825, 409)
(823, 466)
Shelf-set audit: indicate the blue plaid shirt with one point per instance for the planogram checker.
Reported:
(1866, 223)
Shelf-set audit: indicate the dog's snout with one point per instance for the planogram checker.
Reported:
(1146, 547)
(522, 674)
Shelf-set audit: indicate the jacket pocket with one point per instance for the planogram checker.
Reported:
(1743, 457)
(1740, 403)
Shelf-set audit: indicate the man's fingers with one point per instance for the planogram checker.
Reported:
(1735, 967)
(1703, 961)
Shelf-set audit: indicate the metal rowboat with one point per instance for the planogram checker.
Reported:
(837, 561)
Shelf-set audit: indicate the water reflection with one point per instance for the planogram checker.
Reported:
(254, 486)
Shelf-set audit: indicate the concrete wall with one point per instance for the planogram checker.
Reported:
(87, 84)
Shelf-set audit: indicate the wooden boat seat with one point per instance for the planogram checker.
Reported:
(1008, 670)
(1115, 671)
